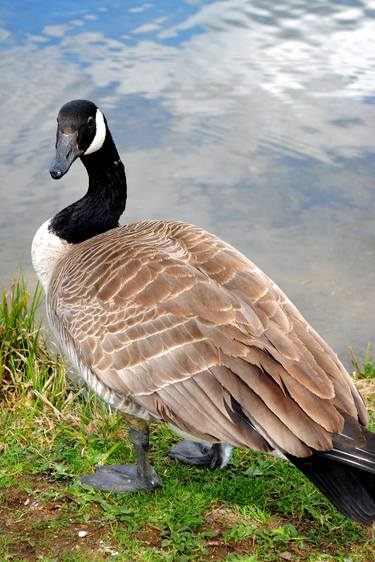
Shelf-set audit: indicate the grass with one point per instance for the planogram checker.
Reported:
(257, 509)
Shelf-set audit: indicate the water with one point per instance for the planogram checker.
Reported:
(253, 119)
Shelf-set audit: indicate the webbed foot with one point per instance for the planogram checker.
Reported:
(127, 477)
(202, 454)
(121, 478)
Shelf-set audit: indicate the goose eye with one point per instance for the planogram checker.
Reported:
(90, 121)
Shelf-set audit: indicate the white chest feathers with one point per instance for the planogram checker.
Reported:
(46, 250)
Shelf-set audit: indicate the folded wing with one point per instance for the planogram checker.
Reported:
(188, 328)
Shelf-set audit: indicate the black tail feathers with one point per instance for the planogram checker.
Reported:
(345, 475)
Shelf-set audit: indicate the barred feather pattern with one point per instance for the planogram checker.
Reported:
(169, 322)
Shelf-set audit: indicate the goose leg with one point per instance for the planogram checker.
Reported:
(127, 477)
(202, 454)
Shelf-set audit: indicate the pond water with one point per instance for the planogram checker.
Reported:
(253, 119)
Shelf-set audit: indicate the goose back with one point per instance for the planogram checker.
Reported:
(180, 326)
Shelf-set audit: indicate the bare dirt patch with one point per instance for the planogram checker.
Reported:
(32, 526)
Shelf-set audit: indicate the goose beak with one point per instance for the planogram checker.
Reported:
(66, 152)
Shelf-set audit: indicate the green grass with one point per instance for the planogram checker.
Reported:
(365, 368)
(257, 509)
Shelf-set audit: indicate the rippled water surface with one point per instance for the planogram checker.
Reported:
(254, 119)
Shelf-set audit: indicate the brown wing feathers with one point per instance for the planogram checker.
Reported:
(191, 330)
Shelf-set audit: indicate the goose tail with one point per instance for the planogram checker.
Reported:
(345, 474)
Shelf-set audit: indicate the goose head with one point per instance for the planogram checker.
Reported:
(81, 131)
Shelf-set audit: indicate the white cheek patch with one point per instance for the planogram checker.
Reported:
(99, 138)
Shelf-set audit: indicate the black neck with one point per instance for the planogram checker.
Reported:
(100, 209)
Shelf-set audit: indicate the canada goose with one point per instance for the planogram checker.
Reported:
(167, 322)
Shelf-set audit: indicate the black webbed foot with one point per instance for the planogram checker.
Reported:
(127, 477)
(121, 478)
(202, 454)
